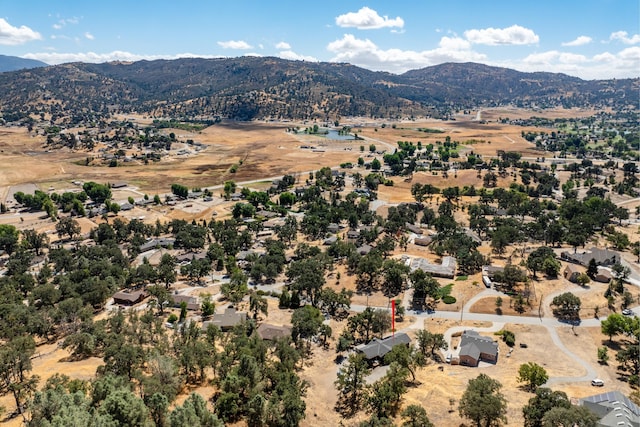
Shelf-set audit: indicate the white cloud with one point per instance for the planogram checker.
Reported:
(513, 35)
(580, 41)
(283, 45)
(606, 65)
(235, 44)
(454, 43)
(63, 23)
(89, 36)
(53, 58)
(11, 36)
(623, 36)
(367, 19)
(366, 54)
(291, 55)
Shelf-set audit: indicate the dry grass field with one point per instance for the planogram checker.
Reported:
(266, 150)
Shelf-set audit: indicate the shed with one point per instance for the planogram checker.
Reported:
(571, 273)
(603, 276)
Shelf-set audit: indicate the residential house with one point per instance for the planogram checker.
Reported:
(491, 270)
(270, 332)
(446, 269)
(227, 320)
(162, 242)
(376, 350)
(129, 298)
(193, 303)
(475, 348)
(601, 256)
(614, 409)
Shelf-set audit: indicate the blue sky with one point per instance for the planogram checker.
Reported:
(591, 39)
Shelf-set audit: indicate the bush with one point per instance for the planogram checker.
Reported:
(508, 337)
(448, 299)
(172, 318)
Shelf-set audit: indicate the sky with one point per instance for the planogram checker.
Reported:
(590, 39)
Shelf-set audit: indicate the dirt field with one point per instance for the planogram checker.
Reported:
(267, 150)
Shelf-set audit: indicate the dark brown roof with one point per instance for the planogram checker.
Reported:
(129, 297)
(273, 332)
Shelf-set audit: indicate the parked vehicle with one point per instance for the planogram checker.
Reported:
(596, 382)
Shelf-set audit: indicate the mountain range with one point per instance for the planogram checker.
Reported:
(263, 87)
(13, 63)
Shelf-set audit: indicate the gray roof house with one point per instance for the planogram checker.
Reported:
(614, 409)
(601, 257)
(157, 243)
(226, 320)
(377, 349)
(475, 348)
(446, 269)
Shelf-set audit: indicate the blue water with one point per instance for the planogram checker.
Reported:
(334, 135)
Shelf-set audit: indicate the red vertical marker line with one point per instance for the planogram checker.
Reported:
(393, 318)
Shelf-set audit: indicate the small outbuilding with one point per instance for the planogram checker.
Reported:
(571, 273)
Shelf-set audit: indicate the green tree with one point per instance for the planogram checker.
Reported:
(33, 240)
(613, 325)
(533, 375)
(67, 226)
(483, 403)
(236, 288)
(429, 342)
(575, 416)
(15, 368)
(385, 394)
(544, 400)
(166, 271)
(407, 357)
(258, 304)
(351, 384)
(8, 238)
(99, 193)
(566, 306)
(306, 322)
(603, 356)
(161, 297)
(415, 416)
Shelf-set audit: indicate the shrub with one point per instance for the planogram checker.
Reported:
(172, 318)
(448, 299)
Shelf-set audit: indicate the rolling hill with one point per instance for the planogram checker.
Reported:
(261, 87)
(13, 63)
